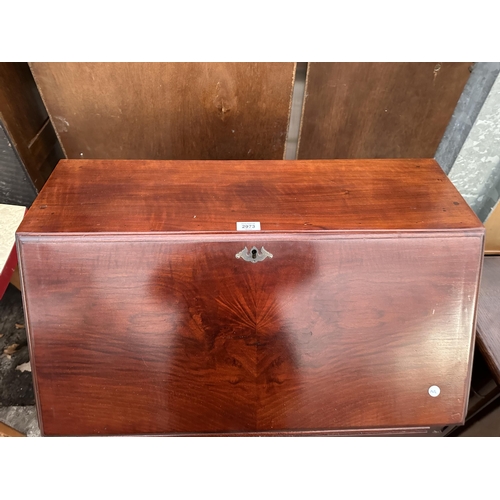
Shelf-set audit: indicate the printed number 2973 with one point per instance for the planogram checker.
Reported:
(248, 226)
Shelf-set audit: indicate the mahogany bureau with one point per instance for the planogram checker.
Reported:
(319, 297)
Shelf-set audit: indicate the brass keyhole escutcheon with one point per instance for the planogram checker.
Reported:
(254, 255)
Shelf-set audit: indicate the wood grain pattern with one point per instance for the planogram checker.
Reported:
(151, 337)
(492, 225)
(488, 320)
(26, 120)
(208, 196)
(168, 110)
(378, 110)
(149, 328)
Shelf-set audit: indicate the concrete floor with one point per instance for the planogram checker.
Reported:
(21, 418)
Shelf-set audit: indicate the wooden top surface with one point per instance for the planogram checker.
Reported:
(488, 315)
(141, 196)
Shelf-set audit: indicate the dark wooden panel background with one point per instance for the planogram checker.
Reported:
(168, 110)
(26, 123)
(378, 110)
(225, 110)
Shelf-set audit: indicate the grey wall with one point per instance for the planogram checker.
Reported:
(470, 149)
(476, 170)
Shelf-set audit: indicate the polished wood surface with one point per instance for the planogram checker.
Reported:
(205, 196)
(168, 110)
(492, 225)
(378, 110)
(160, 336)
(151, 327)
(26, 121)
(488, 319)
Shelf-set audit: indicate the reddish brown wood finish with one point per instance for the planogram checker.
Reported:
(343, 330)
(98, 196)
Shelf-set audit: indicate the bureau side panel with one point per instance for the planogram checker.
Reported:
(163, 336)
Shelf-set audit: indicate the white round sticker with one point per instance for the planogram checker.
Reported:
(434, 391)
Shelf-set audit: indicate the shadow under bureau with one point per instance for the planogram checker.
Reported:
(250, 297)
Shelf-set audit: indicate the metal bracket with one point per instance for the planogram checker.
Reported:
(254, 255)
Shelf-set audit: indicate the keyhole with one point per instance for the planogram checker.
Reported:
(254, 253)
